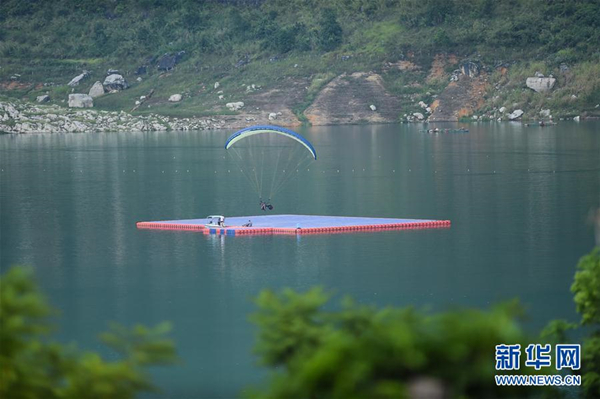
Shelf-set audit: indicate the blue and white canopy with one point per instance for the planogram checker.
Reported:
(269, 129)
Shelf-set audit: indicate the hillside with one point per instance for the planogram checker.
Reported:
(304, 61)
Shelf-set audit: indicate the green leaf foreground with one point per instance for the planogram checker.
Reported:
(586, 289)
(33, 367)
(315, 351)
(363, 352)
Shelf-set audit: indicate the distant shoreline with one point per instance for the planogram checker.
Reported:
(27, 118)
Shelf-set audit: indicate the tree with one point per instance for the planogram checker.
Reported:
(586, 288)
(417, 13)
(32, 367)
(363, 352)
(330, 34)
(441, 39)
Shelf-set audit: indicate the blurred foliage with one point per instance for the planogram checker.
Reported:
(363, 352)
(33, 367)
(586, 289)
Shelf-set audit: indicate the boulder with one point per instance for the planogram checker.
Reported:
(272, 116)
(545, 113)
(217, 84)
(502, 109)
(469, 68)
(515, 114)
(75, 81)
(168, 61)
(577, 118)
(235, 106)
(538, 74)
(80, 101)
(540, 85)
(251, 88)
(175, 98)
(419, 116)
(115, 82)
(373, 108)
(97, 90)
(112, 71)
(42, 99)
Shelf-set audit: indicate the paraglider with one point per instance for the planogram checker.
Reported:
(265, 205)
(269, 157)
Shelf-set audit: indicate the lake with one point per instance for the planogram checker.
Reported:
(518, 198)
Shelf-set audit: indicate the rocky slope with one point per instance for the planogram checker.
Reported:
(356, 98)
(461, 98)
(271, 106)
(17, 117)
(444, 90)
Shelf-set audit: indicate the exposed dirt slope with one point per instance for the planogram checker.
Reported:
(459, 98)
(280, 100)
(347, 99)
(439, 65)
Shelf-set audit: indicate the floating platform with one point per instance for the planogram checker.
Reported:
(295, 224)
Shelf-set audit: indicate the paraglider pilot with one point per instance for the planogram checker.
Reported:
(265, 205)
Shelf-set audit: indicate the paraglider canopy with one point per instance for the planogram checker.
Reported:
(262, 129)
(269, 156)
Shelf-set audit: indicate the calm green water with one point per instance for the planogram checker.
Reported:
(518, 199)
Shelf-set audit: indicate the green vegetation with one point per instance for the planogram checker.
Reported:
(354, 352)
(587, 299)
(33, 367)
(359, 351)
(564, 30)
(579, 89)
(243, 42)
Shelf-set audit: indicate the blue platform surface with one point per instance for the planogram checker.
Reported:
(294, 221)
